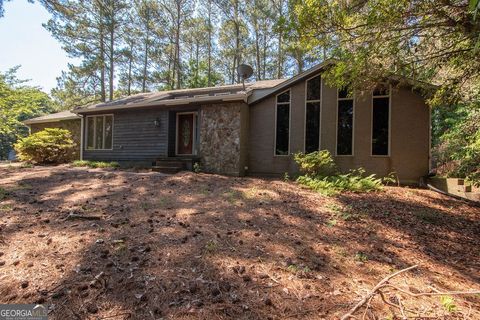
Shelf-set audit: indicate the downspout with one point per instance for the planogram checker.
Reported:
(81, 136)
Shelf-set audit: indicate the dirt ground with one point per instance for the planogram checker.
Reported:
(198, 246)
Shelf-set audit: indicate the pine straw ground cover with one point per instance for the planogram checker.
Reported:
(198, 246)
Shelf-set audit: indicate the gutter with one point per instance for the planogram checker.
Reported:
(170, 102)
(31, 121)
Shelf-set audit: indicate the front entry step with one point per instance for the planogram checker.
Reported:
(172, 165)
(169, 163)
(168, 170)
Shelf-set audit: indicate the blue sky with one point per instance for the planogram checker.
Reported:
(24, 41)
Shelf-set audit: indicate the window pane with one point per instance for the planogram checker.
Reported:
(99, 132)
(312, 130)
(343, 93)
(284, 97)
(283, 123)
(90, 133)
(108, 132)
(380, 126)
(380, 91)
(345, 127)
(313, 89)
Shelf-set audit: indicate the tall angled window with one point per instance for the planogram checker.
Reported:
(344, 123)
(282, 125)
(381, 122)
(312, 115)
(99, 132)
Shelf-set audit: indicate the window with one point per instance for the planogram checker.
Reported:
(344, 123)
(312, 115)
(380, 122)
(282, 127)
(99, 132)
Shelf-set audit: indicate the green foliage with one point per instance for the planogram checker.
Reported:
(95, 164)
(457, 139)
(361, 256)
(391, 178)
(211, 246)
(197, 168)
(412, 39)
(354, 181)
(316, 164)
(51, 145)
(331, 223)
(320, 173)
(3, 194)
(18, 103)
(448, 303)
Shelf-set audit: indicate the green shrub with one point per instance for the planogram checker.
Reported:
(316, 164)
(95, 164)
(353, 181)
(197, 168)
(320, 174)
(49, 146)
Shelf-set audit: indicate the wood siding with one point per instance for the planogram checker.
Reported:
(135, 137)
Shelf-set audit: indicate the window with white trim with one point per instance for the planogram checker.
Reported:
(344, 123)
(282, 124)
(312, 115)
(380, 122)
(99, 132)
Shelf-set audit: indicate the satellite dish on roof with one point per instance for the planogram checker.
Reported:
(244, 71)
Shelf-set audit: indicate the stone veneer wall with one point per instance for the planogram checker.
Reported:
(71, 125)
(220, 132)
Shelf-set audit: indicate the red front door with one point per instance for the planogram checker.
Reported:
(185, 133)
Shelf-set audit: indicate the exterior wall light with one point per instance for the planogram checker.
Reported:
(156, 122)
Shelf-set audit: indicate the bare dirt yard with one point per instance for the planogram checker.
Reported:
(198, 246)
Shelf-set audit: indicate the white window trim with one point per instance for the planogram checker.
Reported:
(194, 138)
(389, 96)
(320, 114)
(82, 135)
(353, 126)
(95, 131)
(289, 122)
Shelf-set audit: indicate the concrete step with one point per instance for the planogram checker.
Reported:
(465, 188)
(169, 163)
(168, 169)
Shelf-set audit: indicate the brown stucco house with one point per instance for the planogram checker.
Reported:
(256, 129)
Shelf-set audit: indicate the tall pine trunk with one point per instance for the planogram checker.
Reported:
(112, 60)
(103, 95)
(177, 44)
(145, 64)
(209, 72)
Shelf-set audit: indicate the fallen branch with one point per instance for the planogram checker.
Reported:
(438, 293)
(116, 315)
(385, 284)
(74, 216)
(365, 299)
(96, 280)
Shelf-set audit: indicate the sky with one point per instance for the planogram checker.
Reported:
(23, 41)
